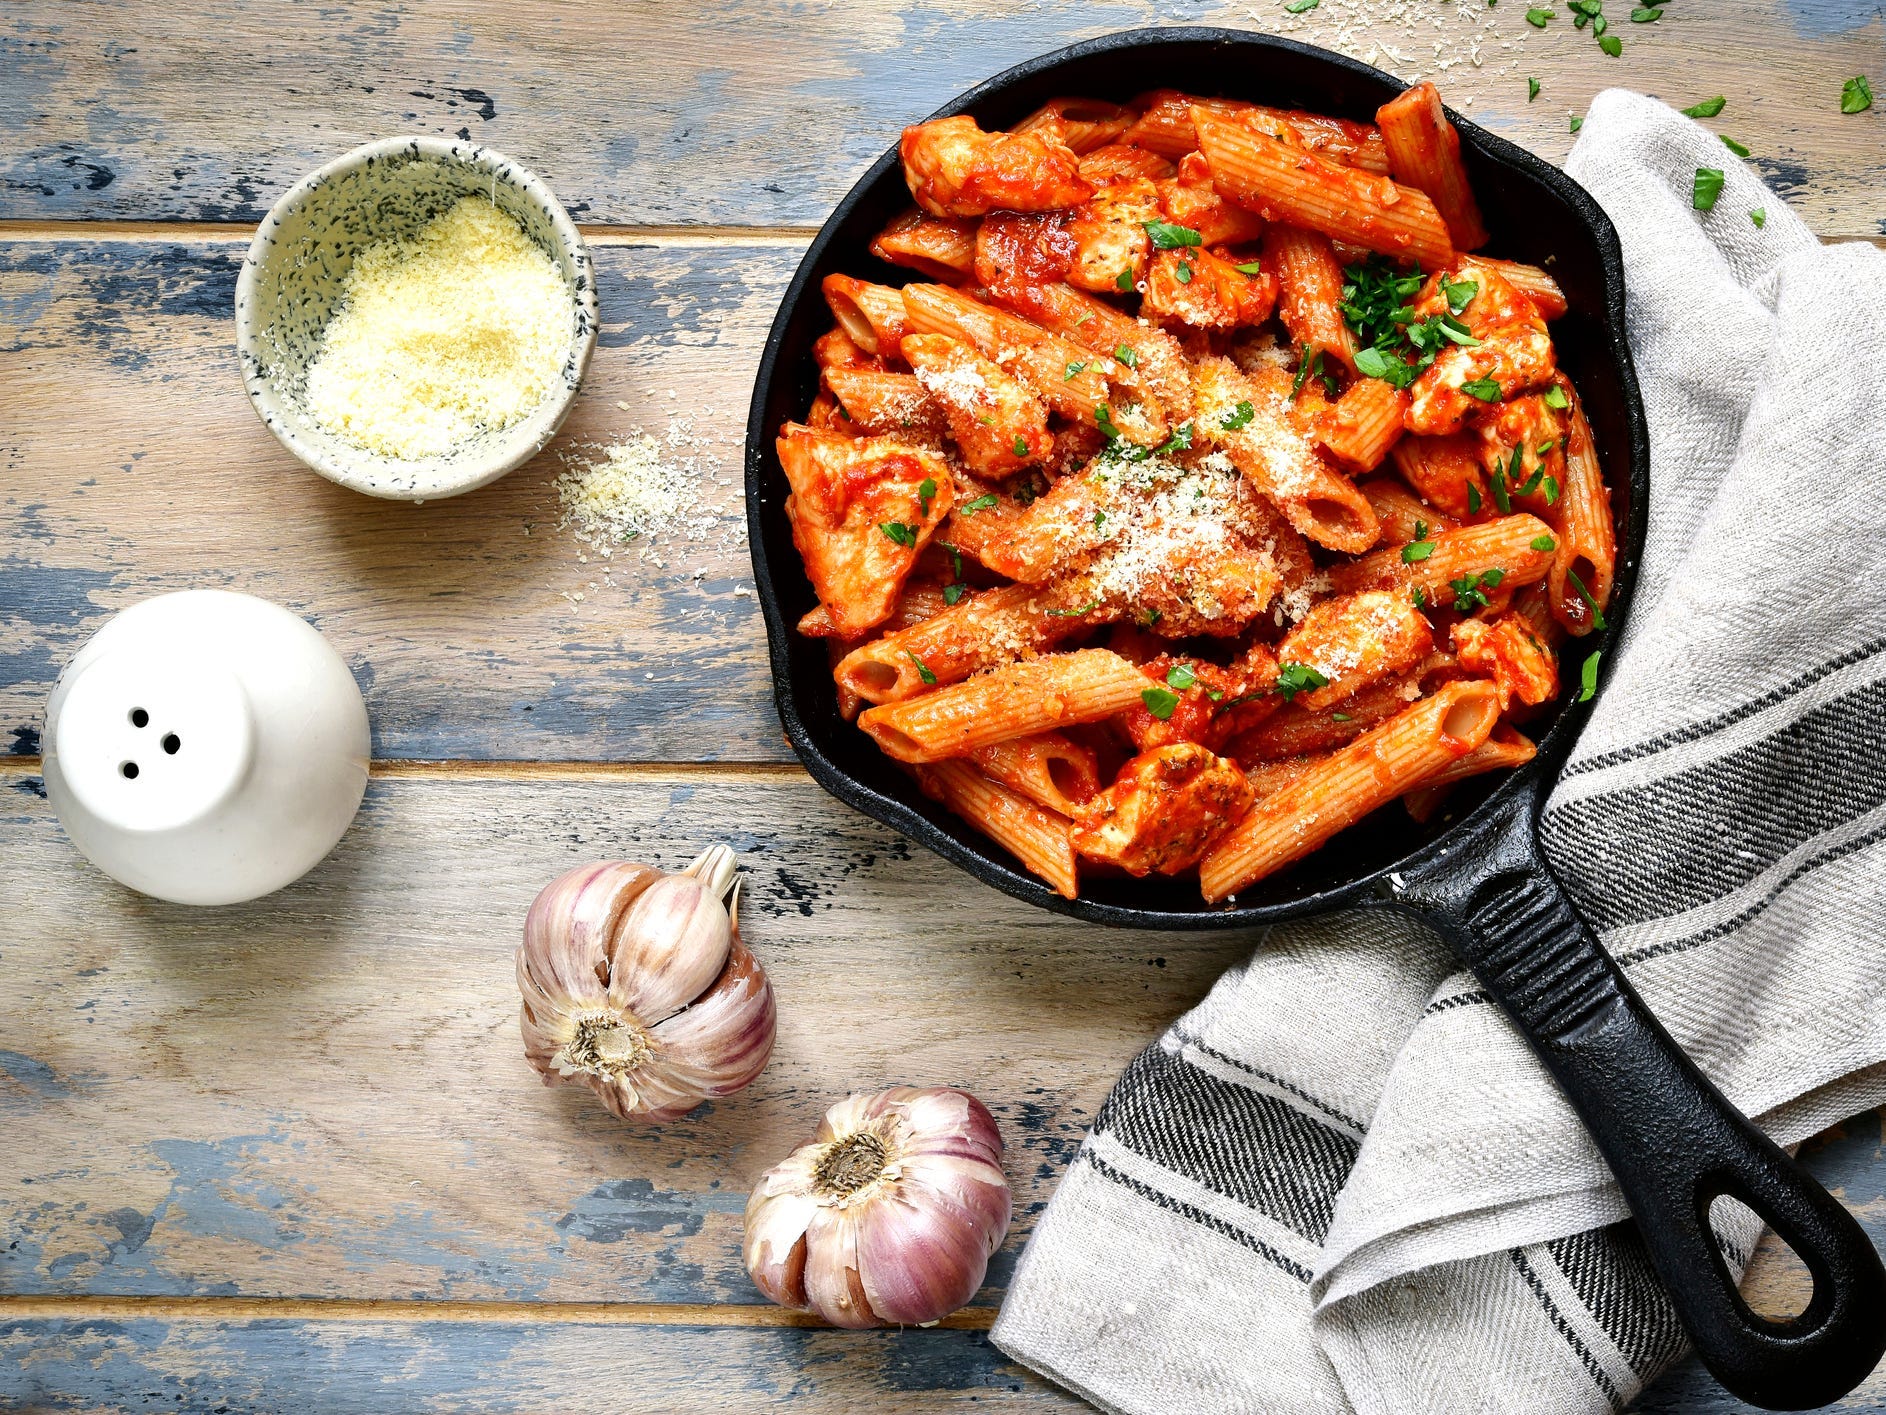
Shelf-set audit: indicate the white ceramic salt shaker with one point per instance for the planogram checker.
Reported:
(206, 747)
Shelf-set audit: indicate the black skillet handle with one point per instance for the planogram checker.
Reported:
(1672, 1141)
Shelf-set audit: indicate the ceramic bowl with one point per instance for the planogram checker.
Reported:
(291, 281)
(205, 747)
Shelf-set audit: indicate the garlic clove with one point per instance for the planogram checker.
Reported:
(568, 928)
(724, 1040)
(778, 1214)
(832, 1285)
(671, 946)
(915, 1260)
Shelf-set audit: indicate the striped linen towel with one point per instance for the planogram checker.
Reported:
(1342, 1182)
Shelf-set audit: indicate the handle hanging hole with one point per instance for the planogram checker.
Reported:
(171, 742)
(1777, 1284)
(128, 770)
(140, 718)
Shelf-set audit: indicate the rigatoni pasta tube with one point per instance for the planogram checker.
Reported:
(1287, 184)
(1017, 701)
(1336, 793)
(1036, 837)
(1587, 545)
(1424, 153)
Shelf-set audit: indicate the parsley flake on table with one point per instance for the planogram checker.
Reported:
(1708, 108)
(981, 503)
(1238, 417)
(1168, 237)
(905, 536)
(1532, 89)
(1485, 389)
(1416, 550)
(1733, 145)
(1588, 677)
(1646, 14)
(1297, 7)
(1597, 614)
(1180, 676)
(923, 669)
(1577, 122)
(1759, 216)
(1856, 95)
(1610, 44)
(1126, 355)
(1706, 188)
(1294, 678)
(1159, 702)
(1538, 18)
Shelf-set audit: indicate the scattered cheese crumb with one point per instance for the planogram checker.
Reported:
(646, 489)
(461, 329)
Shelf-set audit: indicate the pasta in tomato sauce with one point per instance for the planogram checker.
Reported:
(1194, 488)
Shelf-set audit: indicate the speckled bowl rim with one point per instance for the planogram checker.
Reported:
(515, 449)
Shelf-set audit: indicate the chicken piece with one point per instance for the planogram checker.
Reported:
(861, 509)
(1198, 692)
(998, 425)
(1164, 811)
(1531, 427)
(1514, 353)
(1016, 252)
(1192, 286)
(1506, 650)
(1352, 641)
(953, 168)
(1111, 247)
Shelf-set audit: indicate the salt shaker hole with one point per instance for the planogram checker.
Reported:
(171, 742)
(139, 717)
(129, 770)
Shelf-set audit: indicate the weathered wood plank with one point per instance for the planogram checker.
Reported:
(131, 464)
(265, 1366)
(746, 114)
(324, 1094)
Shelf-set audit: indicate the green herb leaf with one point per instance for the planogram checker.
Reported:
(1297, 7)
(1180, 440)
(1153, 616)
(1167, 237)
(1532, 89)
(1021, 447)
(1339, 717)
(1646, 15)
(923, 669)
(1733, 145)
(1544, 543)
(1501, 499)
(1250, 267)
(926, 493)
(1759, 216)
(953, 592)
(1103, 419)
(1180, 676)
(1159, 702)
(981, 503)
(1468, 594)
(1532, 482)
(1551, 490)
(1100, 519)
(1073, 368)
(1577, 122)
(1588, 677)
(1597, 614)
(1611, 44)
(1708, 108)
(956, 560)
(1416, 550)
(1127, 356)
(1706, 188)
(1856, 95)
(1124, 280)
(1183, 273)
(1294, 678)
(1537, 18)
(1555, 399)
(1421, 530)
(904, 535)
(1419, 596)
(1087, 608)
(1238, 417)
(1303, 372)
(1485, 389)
(1459, 293)
(1473, 499)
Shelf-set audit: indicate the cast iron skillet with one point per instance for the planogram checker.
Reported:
(1674, 1143)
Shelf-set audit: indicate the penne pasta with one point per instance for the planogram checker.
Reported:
(1504, 749)
(1363, 425)
(1050, 770)
(1118, 162)
(1337, 792)
(878, 402)
(1036, 837)
(1281, 183)
(1536, 284)
(872, 315)
(1424, 153)
(920, 600)
(1309, 299)
(1444, 471)
(1078, 124)
(1098, 327)
(1352, 641)
(980, 631)
(1165, 126)
(944, 248)
(1508, 549)
(1404, 516)
(1585, 563)
(1020, 700)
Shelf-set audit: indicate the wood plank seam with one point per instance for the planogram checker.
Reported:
(240, 231)
(473, 769)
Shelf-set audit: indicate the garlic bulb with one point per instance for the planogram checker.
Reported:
(888, 1216)
(636, 984)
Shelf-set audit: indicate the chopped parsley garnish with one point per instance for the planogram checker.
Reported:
(1153, 616)
(1473, 499)
(1103, 419)
(981, 503)
(1646, 14)
(1555, 399)
(1297, 7)
(904, 535)
(1459, 293)
(1532, 89)
(1497, 484)
(1124, 280)
(926, 493)
(923, 669)
(1079, 366)
(1021, 447)
(1544, 543)
(1087, 608)
(1100, 519)
(1127, 356)
(1250, 267)
(1294, 678)
(1538, 18)
(956, 560)
(1551, 490)
(1167, 237)
(1532, 482)
(1856, 95)
(1159, 702)
(1733, 145)
(1588, 677)
(1708, 108)
(1180, 676)
(1597, 614)
(1421, 530)
(1485, 389)
(1180, 440)
(1238, 417)
(1419, 596)
(1470, 589)
(1183, 272)
(1577, 123)
(1416, 550)
(1706, 188)
(1339, 717)
(1611, 44)
(953, 592)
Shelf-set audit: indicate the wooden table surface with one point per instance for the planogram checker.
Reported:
(288, 1155)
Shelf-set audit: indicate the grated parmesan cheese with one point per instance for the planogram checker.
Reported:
(646, 489)
(461, 329)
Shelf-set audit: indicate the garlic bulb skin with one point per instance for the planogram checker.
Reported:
(635, 984)
(889, 1216)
